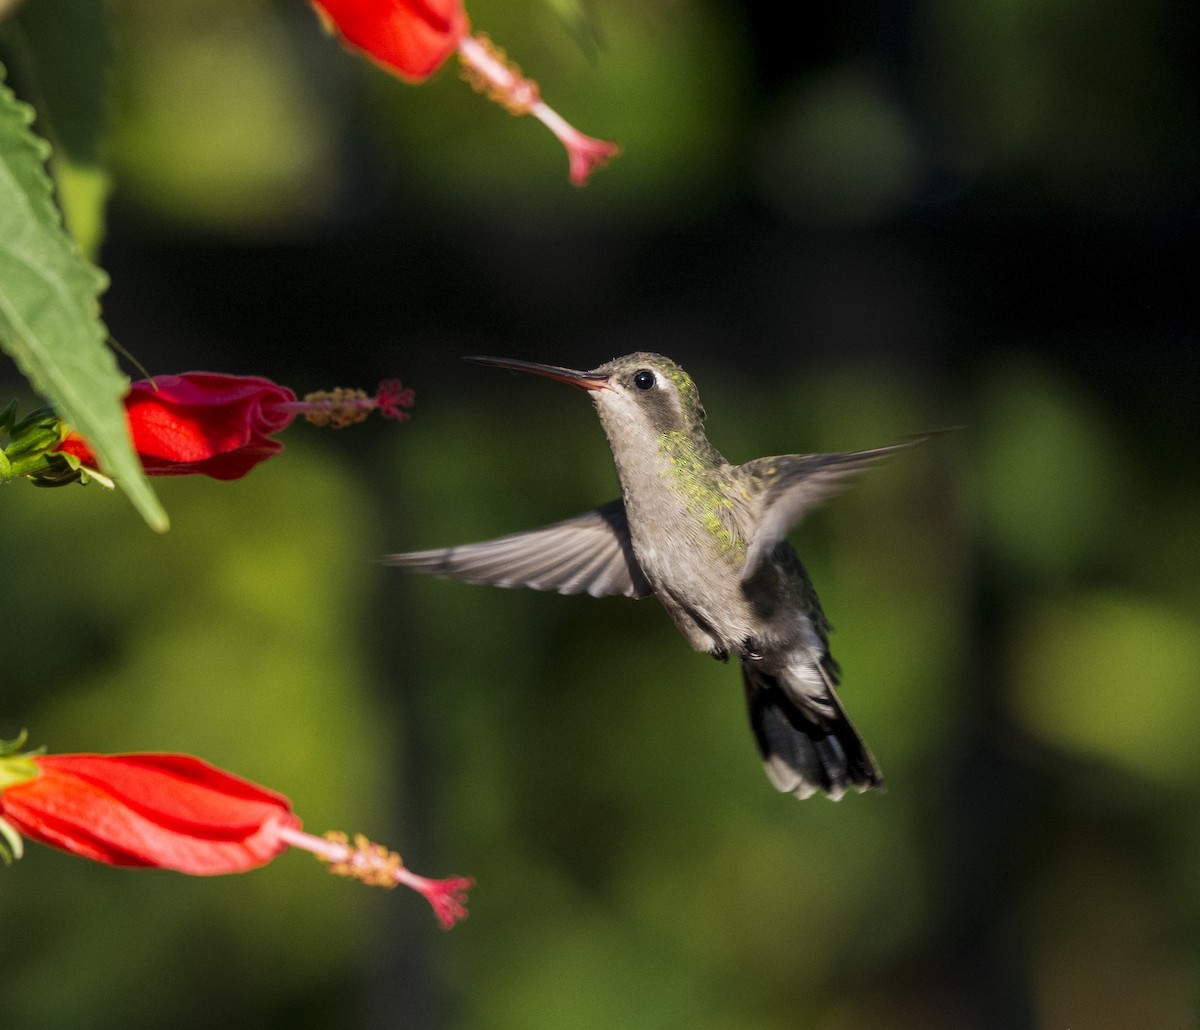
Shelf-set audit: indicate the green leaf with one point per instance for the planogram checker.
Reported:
(59, 54)
(49, 310)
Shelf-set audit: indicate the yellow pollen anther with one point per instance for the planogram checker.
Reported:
(501, 80)
(338, 408)
(366, 861)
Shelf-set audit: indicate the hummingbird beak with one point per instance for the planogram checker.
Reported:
(584, 380)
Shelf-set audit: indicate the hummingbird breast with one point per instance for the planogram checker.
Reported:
(690, 528)
(691, 516)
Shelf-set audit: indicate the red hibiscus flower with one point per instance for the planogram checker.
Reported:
(413, 38)
(169, 811)
(212, 424)
(176, 812)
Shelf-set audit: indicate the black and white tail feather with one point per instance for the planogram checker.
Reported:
(806, 742)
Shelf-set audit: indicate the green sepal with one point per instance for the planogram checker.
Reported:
(12, 747)
(32, 443)
(39, 432)
(12, 846)
(17, 769)
(8, 416)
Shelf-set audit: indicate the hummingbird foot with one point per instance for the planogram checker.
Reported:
(750, 651)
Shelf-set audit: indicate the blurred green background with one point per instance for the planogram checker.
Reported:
(899, 217)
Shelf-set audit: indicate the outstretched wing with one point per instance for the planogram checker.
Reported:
(792, 485)
(590, 553)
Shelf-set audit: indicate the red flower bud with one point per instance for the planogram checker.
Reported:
(168, 811)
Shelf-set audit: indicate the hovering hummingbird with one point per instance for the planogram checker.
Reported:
(708, 539)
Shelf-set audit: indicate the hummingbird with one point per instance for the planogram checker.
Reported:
(709, 540)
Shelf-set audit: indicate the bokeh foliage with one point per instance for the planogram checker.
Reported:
(940, 214)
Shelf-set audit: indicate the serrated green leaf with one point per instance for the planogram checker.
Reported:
(59, 58)
(50, 313)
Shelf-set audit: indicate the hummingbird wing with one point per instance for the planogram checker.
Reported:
(590, 553)
(792, 485)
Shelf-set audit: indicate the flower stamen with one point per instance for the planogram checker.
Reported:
(342, 407)
(376, 866)
(489, 71)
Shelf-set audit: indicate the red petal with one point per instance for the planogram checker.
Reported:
(169, 811)
(200, 423)
(76, 445)
(409, 37)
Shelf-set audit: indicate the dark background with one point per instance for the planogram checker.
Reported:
(897, 217)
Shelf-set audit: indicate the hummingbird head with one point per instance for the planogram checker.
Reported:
(651, 413)
(634, 394)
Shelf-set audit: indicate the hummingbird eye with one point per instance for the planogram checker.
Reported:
(643, 379)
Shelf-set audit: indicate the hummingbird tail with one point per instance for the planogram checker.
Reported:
(808, 744)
